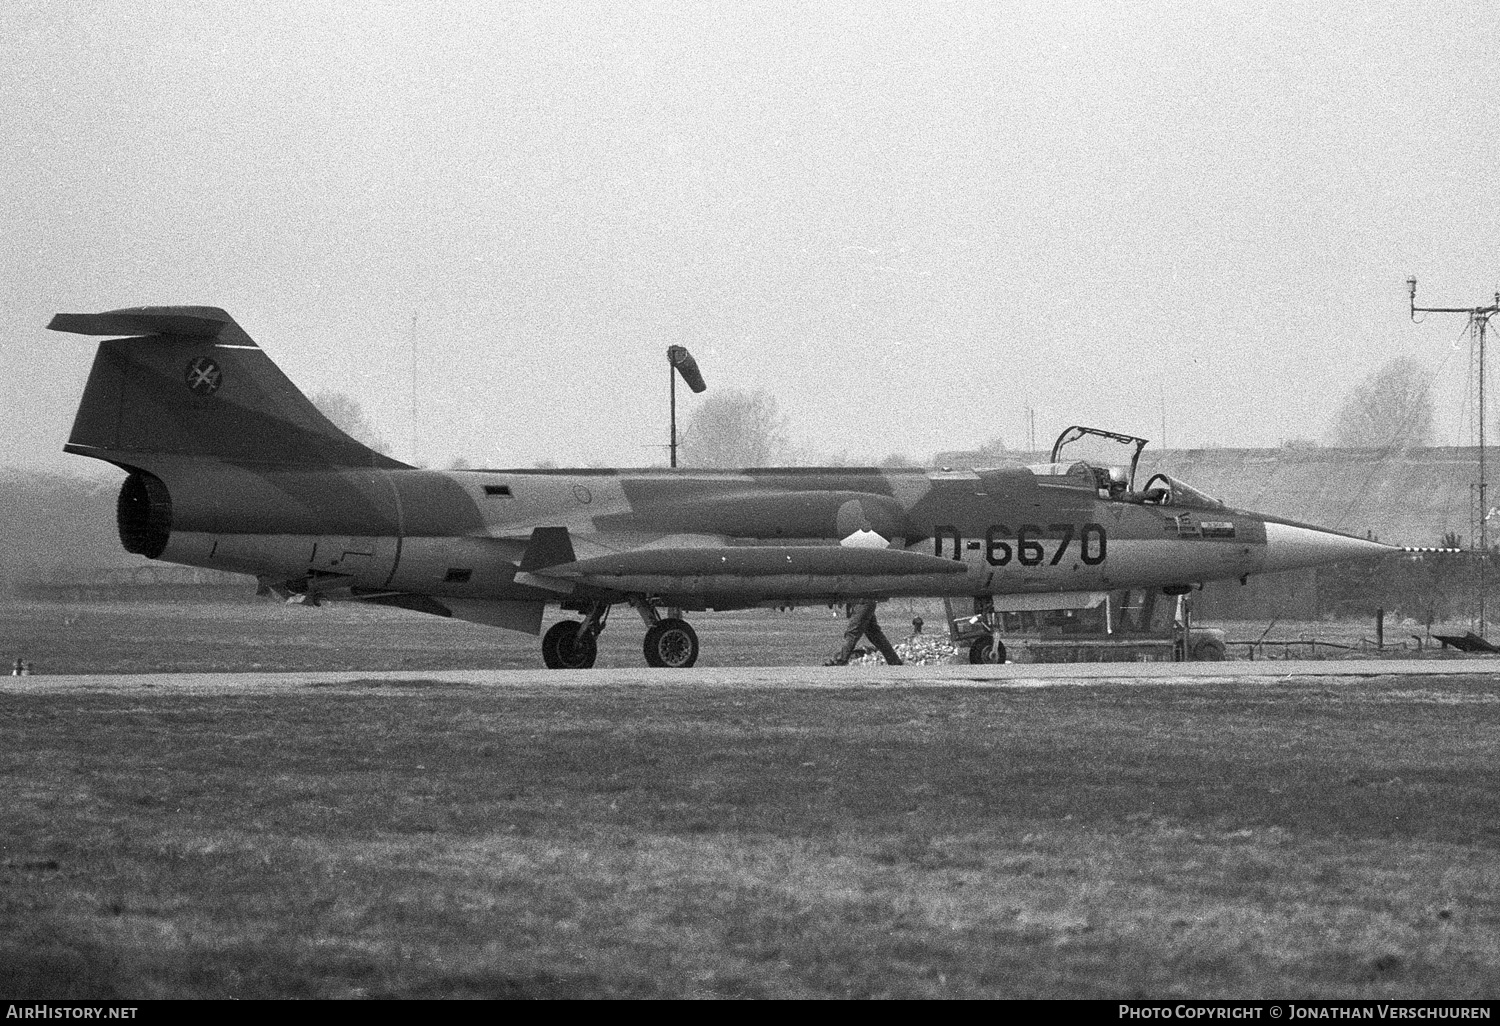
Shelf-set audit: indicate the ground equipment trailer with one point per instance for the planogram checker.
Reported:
(1141, 625)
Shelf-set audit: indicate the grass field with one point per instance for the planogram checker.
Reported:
(148, 637)
(409, 837)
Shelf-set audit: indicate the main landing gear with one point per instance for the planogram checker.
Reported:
(573, 644)
(671, 642)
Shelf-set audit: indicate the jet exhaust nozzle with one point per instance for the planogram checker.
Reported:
(143, 513)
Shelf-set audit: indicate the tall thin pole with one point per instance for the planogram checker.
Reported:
(414, 388)
(672, 390)
(1484, 508)
(680, 361)
(1479, 317)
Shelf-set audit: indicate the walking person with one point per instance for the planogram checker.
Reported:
(862, 622)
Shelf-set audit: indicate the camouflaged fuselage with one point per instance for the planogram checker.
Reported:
(462, 534)
(231, 468)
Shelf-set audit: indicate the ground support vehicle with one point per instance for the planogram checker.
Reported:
(1139, 625)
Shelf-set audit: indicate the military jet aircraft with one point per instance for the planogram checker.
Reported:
(230, 467)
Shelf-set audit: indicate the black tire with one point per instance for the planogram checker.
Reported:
(563, 649)
(1208, 650)
(671, 643)
(979, 651)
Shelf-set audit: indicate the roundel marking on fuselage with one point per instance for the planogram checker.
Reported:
(203, 376)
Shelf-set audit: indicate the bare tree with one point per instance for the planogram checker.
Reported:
(734, 428)
(1390, 408)
(349, 417)
(993, 451)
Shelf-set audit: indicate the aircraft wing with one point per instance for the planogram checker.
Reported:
(758, 561)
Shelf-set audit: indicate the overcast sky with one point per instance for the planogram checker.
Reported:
(909, 223)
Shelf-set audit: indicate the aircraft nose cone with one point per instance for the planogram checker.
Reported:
(1289, 547)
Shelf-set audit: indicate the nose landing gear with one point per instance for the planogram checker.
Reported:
(987, 650)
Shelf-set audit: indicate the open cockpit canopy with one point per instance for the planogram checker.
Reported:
(1104, 460)
(1107, 462)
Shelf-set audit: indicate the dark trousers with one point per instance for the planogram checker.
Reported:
(862, 622)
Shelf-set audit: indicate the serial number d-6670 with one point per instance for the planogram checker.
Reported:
(1029, 544)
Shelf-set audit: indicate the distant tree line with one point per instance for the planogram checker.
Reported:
(1429, 587)
(732, 428)
(349, 417)
(1390, 408)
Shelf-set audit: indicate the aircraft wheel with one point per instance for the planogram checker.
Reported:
(672, 643)
(979, 652)
(563, 649)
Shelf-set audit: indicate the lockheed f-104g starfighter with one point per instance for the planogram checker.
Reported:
(230, 467)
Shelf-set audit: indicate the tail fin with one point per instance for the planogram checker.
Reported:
(190, 382)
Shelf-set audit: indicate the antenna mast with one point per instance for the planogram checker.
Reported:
(1162, 397)
(414, 388)
(1479, 319)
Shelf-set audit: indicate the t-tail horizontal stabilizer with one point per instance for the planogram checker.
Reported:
(195, 322)
(187, 381)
